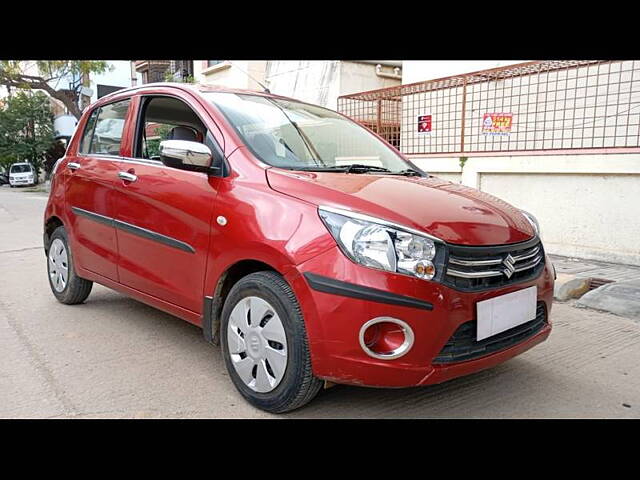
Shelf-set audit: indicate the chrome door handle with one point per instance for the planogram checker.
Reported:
(73, 166)
(129, 177)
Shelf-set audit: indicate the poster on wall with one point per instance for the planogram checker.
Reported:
(424, 123)
(497, 123)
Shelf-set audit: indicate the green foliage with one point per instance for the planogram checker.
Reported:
(463, 160)
(168, 77)
(57, 68)
(26, 129)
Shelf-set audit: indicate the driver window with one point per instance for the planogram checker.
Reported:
(166, 118)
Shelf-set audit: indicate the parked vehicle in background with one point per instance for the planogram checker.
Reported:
(22, 174)
(312, 249)
(4, 178)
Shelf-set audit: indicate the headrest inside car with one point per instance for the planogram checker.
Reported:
(183, 133)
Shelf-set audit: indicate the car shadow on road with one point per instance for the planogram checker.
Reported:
(461, 397)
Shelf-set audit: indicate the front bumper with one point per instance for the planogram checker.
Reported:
(21, 181)
(333, 322)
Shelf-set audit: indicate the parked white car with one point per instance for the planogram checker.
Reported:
(22, 174)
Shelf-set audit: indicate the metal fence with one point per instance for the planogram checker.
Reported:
(535, 106)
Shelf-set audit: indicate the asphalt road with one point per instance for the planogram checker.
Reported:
(114, 357)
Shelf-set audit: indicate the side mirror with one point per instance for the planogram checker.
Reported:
(185, 155)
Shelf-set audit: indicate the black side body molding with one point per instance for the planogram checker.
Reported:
(158, 237)
(345, 289)
(93, 216)
(141, 232)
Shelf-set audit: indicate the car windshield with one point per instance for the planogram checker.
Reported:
(300, 136)
(22, 168)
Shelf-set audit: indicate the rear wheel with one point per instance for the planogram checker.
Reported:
(264, 344)
(66, 286)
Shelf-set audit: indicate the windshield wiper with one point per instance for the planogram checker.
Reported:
(409, 172)
(361, 168)
(353, 168)
(316, 169)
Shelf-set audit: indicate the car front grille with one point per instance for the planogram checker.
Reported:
(482, 268)
(463, 346)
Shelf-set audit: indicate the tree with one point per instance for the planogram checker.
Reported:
(26, 129)
(49, 73)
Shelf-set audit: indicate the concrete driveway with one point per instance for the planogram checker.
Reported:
(113, 357)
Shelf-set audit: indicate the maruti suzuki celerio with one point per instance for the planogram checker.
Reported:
(308, 247)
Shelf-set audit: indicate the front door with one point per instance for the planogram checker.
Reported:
(163, 214)
(89, 190)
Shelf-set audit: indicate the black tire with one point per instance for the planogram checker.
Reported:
(298, 385)
(77, 289)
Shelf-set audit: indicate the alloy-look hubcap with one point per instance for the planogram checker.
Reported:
(257, 344)
(58, 265)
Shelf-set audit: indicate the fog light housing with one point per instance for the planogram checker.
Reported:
(386, 338)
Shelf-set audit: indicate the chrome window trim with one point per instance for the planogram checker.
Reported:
(144, 161)
(138, 161)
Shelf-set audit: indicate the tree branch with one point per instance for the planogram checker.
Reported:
(39, 83)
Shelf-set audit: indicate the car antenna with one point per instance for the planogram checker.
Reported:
(266, 90)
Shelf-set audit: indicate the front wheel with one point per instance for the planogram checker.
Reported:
(264, 344)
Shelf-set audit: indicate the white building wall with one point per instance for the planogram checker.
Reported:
(231, 74)
(317, 82)
(359, 77)
(420, 70)
(588, 107)
(587, 205)
(118, 76)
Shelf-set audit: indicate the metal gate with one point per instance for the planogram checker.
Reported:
(541, 106)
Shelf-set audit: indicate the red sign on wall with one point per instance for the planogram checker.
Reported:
(424, 123)
(497, 123)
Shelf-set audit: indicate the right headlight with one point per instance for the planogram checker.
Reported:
(377, 244)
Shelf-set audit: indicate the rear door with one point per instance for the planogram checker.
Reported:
(89, 190)
(163, 214)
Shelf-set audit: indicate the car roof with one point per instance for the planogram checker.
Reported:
(190, 87)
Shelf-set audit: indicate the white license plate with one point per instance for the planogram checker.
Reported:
(506, 311)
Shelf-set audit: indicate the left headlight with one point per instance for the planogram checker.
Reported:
(373, 243)
(533, 221)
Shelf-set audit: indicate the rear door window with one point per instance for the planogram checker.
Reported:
(85, 144)
(103, 133)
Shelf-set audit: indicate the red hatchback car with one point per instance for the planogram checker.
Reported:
(310, 248)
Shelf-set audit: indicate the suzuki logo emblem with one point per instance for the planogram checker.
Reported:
(509, 268)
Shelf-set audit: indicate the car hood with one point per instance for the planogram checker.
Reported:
(449, 211)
